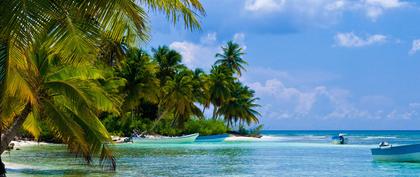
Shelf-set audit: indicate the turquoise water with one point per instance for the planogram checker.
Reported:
(282, 153)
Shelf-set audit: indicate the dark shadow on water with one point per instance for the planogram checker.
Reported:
(60, 172)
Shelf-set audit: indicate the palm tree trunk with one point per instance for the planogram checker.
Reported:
(214, 113)
(10, 133)
(2, 169)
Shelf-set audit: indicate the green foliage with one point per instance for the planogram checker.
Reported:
(161, 93)
(205, 127)
(231, 58)
(124, 126)
(240, 107)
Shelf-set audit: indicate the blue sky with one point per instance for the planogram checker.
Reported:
(324, 64)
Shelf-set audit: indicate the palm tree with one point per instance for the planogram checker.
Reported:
(85, 22)
(240, 107)
(220, 83)
(65, 97)
(232, 58)
(169, 62)
(74, 29)
(141, 82)
(179, 98)
(201, 87)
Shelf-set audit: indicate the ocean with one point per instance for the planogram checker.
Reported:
(278, 153)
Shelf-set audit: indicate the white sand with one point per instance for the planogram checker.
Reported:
(16, 166)
(20, 144)
(241, 138)
(245, 138)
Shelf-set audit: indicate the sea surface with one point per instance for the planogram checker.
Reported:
(278, 153)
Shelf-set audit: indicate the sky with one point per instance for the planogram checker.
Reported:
(315, 64)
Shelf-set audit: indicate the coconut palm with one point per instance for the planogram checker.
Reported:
(141, 82)
(67, 98)
(169, 62)
(240, 107)
(201, 89)
(179, 98)
(231, 57)
(220, 83)
(75, 29)
(84, 22)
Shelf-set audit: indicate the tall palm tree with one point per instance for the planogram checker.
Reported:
(169, 62)
(220, 84)
(141, 82)
(231, 57)
(179, 98)
(240, 107)
(201, 87)
(66, 97)
(74, 29)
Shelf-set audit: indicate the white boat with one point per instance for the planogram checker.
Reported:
(404, 153)
(212, 138)
(166, 139)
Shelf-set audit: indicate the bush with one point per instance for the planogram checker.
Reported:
(125, 126)
(205, 127)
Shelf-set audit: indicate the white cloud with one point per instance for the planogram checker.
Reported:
(385, 3)
(264, 5)
(201, 55)
(240, 39)
(335, 5)
(298, 100)
(375, 8)
(282, 98)
(209, 39)
(195, 55)
(352, 40)
(415, 46)
(323, 9)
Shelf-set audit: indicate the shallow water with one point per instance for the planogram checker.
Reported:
(279, 153)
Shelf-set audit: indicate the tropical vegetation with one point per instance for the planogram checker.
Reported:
(73, 70)
(47, 52)
(163, 96)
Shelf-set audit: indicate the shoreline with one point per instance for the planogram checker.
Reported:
(22, 143)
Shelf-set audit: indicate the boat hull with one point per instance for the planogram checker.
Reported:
(405, 153)
(167, 140)
(212, 138)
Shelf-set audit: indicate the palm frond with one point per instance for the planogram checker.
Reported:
(187, 10)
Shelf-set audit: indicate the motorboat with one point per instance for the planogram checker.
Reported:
(340, 139)
(212, 138)
(166, 139)
(403, 153)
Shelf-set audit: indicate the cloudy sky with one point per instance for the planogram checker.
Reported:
(315, 64)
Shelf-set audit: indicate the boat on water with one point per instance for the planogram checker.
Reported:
(340, 139)
(212, 138)
(403, 153)
(166, 139)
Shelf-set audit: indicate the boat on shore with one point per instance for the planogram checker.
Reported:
(403, 153)
(166, 139)
(212, 138)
